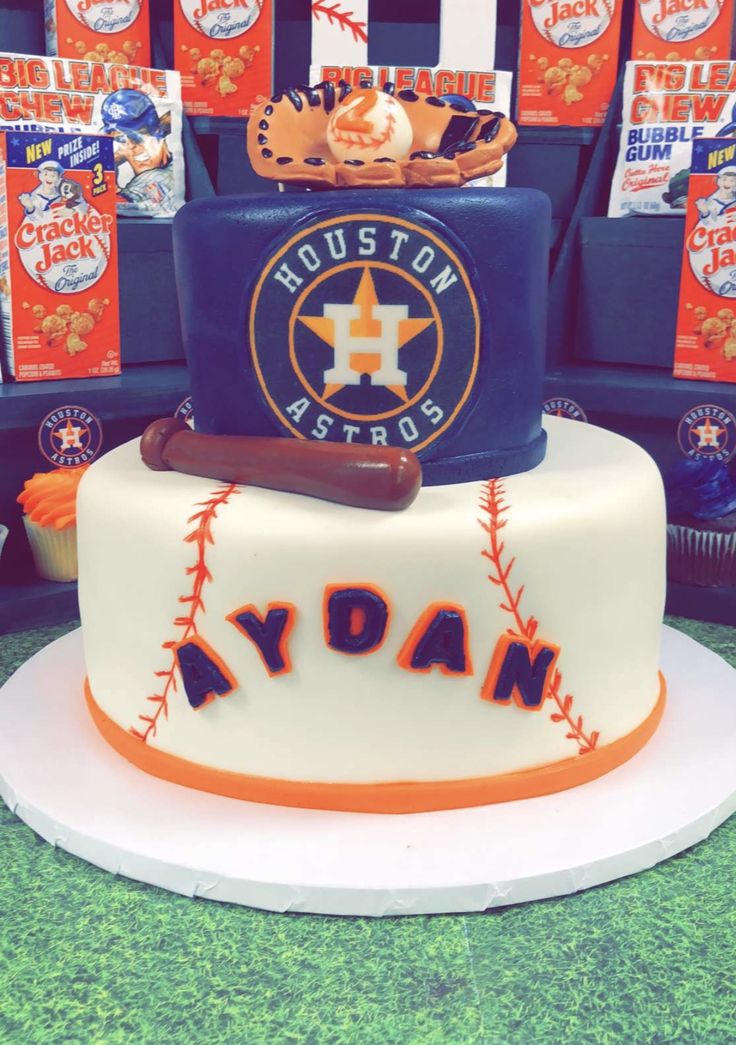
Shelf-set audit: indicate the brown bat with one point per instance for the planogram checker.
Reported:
(384, 477)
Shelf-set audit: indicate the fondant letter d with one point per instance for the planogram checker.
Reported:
(355, 618)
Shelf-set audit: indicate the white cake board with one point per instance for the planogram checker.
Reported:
(61, 778)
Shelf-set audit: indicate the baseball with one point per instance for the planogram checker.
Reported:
(369, 125)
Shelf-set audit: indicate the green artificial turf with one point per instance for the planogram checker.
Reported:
(86, 957)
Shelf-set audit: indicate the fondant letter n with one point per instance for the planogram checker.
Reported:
(520, 669)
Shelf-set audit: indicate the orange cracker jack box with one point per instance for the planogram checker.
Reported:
(224, 52)
(139, 107)
(682, 30)
(705, 344)
(58, 256)
(340, 36)
(568, 56)
(99, 30)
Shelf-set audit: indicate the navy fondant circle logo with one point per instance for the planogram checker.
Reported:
(708, 431)
(365, 328)
(70, 436)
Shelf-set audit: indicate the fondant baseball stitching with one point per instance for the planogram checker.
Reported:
(492, 502)
(200, 536)
(344, 19)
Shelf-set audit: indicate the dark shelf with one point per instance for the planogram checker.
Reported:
(717, 605)
(140, 391)
(639, 391)
(35, 604)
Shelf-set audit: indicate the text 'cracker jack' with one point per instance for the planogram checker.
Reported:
(58, 256)
(705, 348)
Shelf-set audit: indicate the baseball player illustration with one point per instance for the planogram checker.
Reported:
(37, 203)
(723, 199)
(139, 133)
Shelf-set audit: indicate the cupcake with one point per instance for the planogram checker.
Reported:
(701, 523)
(49, 502)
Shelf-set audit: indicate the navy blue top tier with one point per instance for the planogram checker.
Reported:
(413, 317)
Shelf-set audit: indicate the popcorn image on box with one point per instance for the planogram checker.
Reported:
(223, 50)
(705, 346)
(99, 30)
(682, 30)
(667, 106)
(58, 256)
(140, 108)
(568, 56)
(340, 36)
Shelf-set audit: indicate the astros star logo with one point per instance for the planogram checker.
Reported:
(366, 337)
(70, 437)
(708, 434)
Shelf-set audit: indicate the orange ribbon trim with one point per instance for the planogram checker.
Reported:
(400, 797)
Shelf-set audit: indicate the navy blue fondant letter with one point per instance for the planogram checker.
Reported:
(356, 619)
(269, 633)
(522, 677)
(438, 638)
(202, 672)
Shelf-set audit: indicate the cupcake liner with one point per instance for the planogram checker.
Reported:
(702, 557)
(54, 551)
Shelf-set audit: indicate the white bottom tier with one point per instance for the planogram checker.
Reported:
(569, 556)
(61, 778)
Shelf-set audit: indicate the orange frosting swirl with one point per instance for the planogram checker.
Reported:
(50, 498)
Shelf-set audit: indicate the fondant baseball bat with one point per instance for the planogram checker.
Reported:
(384, 477)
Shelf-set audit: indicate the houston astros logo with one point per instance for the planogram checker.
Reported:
(70, 436)
(349, 328)
(708, 431)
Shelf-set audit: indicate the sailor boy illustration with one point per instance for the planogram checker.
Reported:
(48, 192)
(723, 199)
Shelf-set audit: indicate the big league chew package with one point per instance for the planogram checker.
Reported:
(139, 108)
(58, 256)
(568, 56)
(705, 346)
(667, 108)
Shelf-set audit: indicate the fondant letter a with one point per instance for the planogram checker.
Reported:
(202, 672)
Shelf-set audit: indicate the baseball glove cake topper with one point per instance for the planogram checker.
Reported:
(331, 136)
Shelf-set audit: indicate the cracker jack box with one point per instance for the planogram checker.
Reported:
(58, 256)
(568, 58)
(224, 52)
(340, 35)
(139, 108)
(99, 30)
(667, 107)
(705, 345)
(682, 30)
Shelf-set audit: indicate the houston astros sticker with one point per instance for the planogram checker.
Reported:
(708, 431)
(70, 436)
(349, 324)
